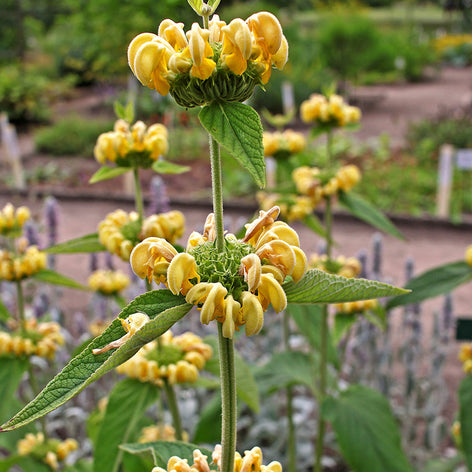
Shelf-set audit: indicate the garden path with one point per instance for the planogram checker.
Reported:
(400, 104)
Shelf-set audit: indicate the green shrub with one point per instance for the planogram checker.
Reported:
(71, 136)
(426, 137)
(24, 95)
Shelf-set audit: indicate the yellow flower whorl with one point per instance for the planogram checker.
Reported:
(283, 144)
(332, 111)
(108, 282)
(119, 232)
(177, 359)
(222, 63)
(135, 146)
(251, 461)
(468, 255)
(235, 286)
(27, 263)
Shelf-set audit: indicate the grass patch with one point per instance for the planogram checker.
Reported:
(71, 136)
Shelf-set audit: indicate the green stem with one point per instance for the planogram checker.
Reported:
(323, 365)
(292, 444)
(138, 197)
(225, 345)
(31, 377)
(217, 187)
(228, 399)
(21, 306)
(174, 409)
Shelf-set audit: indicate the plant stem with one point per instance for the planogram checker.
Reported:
(225, 345)
(31, 377)
(292, 444)
(174, 409)
(228, 400)
(138, 197)
(323, 365)
(217, 187)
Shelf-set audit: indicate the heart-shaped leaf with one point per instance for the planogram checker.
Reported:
(238, 128)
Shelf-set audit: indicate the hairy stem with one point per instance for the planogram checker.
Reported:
(228, 398)
(217, 187)
(174, 409)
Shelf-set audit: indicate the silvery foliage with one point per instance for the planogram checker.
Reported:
(406, 364)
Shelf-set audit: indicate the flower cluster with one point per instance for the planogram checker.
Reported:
(465, 356)
(329, 111)
(37, 339)
(283, 144)
(292, 207)
(251, 461)
(135, 146)
(346, 267)
(360, 306)
(108, 282)
(120, 231)
(222, 62)
(234, 286)
(317, 184)
(28, 261)
(50, 451)
(176, 359)
(468, 255)
(12, 220)
(451, 41)
(162, 432)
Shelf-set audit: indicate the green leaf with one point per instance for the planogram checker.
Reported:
(365, 211)
(166, 167)
(434, 282)
(343, 322)
(127, 402)
(164, 309)
(367, 433)
(196, 5)
(11, 373)
(25, 462)
(52, 277)
(213, 4)
(318, 286)
(88, 243)
(208, 429)
(313, 222)
(308, 320)
(285, 369)
(238, 128)
(107, 173)
(4, 313)
(246, 386)
(162, 451)
(465, 418)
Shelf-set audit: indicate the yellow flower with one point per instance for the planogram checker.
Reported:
(28, 262)
(12, 220)
(465, 352)
(201, 52)
(233, 287)
(356, 307)
(237, 46)
(468, 255)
